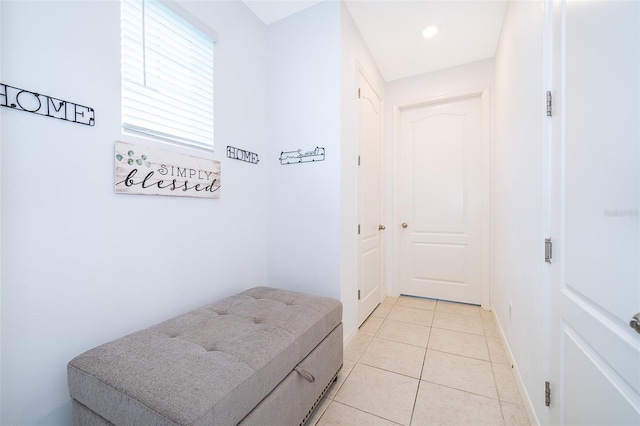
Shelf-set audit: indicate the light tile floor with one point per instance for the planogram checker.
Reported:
(424, 362)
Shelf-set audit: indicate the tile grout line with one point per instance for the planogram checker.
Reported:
(363, 411)
(424, 360)
(495, 381)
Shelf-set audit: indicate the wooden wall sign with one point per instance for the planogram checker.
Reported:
(242, 155)
(36, 103)
(143, 170)
(296, 157)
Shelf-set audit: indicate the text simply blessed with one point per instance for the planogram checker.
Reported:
(143, 170)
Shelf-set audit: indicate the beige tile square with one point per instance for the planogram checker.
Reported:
(371, 325)
(506, 384)
(456, 322)
(318, 412)
(416, 302)
(378, 392)
(496, 350)
(394, 356)
(356, 346)
(404, 332)
(347, 366)
(490, 328)
(514, 415)
(440, 405)
(486, 313)
(382, 310)
(458, 308)
(390, 300)
(459, 372)
(342, 415)
(412, 315)
(459, 343)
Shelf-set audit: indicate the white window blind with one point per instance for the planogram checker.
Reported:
(167, 74)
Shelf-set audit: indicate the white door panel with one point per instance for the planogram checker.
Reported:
(442, 186)
(438, 174)
(585, 404)
(442, 262)
(596, 186)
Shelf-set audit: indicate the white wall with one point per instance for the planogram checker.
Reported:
(1, 304)
(354, 56)
(80, 264)
(313, 61)
(518, 192)
(304, 113)
(472, 77)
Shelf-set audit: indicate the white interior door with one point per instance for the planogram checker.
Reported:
(443, 167)
(596, 173)
(369, 199)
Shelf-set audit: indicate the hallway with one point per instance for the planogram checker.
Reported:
(424, 362)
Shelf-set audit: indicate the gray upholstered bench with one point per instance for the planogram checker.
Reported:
(262, 357)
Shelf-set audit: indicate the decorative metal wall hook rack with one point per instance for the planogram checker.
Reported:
(297, 157)
(36, 103)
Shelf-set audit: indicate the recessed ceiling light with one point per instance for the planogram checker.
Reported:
(430, 31)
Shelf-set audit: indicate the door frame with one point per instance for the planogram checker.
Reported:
(486, 123)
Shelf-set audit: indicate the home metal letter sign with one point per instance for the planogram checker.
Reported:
(24, 100)
(242, 155)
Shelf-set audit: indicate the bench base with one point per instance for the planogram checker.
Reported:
(290, 403)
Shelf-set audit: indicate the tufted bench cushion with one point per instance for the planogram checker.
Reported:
(211, 366)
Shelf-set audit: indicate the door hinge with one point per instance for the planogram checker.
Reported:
(358, 294)
(548, 250)
(549, 101)
(358, 93)
(358, 229)
(358, 160)
(547, 394)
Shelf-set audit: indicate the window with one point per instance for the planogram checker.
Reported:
(167, 74)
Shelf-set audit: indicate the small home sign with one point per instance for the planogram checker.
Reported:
(242, 155)
(147, 171)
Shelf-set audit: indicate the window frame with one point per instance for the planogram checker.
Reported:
(148, 132)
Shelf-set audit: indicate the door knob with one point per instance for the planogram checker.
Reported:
(381, 227)
(404, 225)
(635, 322)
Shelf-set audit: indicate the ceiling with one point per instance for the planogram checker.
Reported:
(270, 11)
(468, 30)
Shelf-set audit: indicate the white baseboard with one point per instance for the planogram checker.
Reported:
(349, 335)
(526, 400)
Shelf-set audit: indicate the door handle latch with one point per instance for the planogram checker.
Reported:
(635, 322)
(381, 227)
